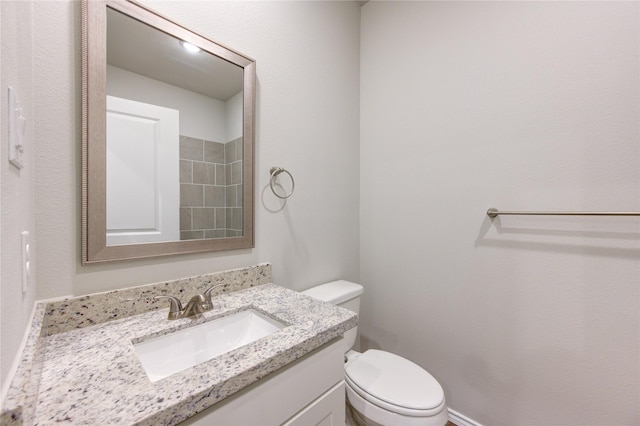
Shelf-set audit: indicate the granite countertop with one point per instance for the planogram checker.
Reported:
(91, 375)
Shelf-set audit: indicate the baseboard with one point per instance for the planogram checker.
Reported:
(17, 358)
(460, 419)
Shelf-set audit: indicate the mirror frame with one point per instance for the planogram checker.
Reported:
(94, 76)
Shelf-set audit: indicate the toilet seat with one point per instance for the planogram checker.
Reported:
(395, 384)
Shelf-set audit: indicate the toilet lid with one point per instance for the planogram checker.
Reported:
(394, 381)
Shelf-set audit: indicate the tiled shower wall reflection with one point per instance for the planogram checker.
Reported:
(210, 188)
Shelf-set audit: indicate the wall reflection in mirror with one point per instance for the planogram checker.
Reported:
(167, 137)
(174, 138)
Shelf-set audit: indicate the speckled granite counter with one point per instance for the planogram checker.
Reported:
(91, 375)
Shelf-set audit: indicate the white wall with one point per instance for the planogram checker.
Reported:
(234, 117)
(17, 190)
(307, 121)
(302, 74)
(201, 116)
(464, 106)
(2, 373)
(519, 106)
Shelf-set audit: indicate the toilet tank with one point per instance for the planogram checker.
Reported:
(344, 294)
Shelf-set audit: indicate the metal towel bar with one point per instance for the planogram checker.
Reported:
(492, 212)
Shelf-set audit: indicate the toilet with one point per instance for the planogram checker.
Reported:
(383, 389)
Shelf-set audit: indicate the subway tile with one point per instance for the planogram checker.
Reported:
(185, 219)
(203, 218)
(186, 171)
(214, 196)
(236, 173)
(231, 196)
(191, 195)
(239, 149)
(191, 148)
(229, 153)
(236, 219)
(221, 174)
(215, 233)
(213, 152)
(191, 235)
(227, 173)
(228, 217)
(204, 173)
(221, 218)
(233, 151)
(239, 195)
(237, 146)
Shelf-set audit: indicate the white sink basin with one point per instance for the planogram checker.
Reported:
(165, 355)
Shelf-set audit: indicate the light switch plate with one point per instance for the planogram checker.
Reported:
(17, 126)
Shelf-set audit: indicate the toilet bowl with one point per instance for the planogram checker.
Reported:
(383, 389)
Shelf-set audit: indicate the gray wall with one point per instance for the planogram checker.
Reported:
(17, 185)
(519, 106)
(307, 110)
(463, 106)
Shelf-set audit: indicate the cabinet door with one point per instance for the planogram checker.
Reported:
(328, 410)
(283, 394)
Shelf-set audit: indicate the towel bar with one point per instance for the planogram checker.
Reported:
(492, 212)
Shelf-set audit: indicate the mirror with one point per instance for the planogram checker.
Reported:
(168, 135)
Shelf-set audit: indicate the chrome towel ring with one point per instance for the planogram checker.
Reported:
(275, 171)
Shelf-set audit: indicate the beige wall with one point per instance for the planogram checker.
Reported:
(307, 111)
(519, 106)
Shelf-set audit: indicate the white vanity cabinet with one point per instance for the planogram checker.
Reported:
(309, 391)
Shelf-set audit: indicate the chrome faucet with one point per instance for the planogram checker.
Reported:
(198, 304)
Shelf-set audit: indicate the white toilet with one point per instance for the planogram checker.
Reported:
(382, 388)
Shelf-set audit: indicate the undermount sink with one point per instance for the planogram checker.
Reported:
(165, 355)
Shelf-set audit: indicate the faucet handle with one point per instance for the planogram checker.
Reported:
(207, 293)
(175, 306)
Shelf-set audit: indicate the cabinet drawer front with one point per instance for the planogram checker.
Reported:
(279, 396)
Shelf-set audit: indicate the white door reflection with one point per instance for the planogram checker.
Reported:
(142, 172)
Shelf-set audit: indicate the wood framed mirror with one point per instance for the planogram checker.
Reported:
(167, 137)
